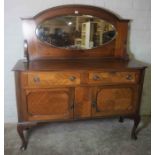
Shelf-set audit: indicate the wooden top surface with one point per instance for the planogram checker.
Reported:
(62, 65)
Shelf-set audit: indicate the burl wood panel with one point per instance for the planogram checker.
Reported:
(50, 79)
(111, 101)
(82, 108)
(49, 104)
(113, 77)
(117, 99)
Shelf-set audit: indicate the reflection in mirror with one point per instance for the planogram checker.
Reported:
(76, 32)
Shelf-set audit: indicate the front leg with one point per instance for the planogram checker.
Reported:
(136, 122)
(20, 129)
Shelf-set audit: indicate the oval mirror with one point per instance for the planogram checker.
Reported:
(76, 32)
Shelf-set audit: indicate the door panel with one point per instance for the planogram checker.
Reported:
(47, 104)
(110, 101)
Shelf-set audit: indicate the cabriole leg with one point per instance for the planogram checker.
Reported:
(20, 129)
(136, 122)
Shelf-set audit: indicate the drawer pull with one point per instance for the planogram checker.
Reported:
(96, 77)
(72, 78)
(129, 77)
(36, 79)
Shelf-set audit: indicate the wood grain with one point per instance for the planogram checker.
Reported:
(114, 100)
(50, 104)
(113, 77)
(48, 79)
(82, 102)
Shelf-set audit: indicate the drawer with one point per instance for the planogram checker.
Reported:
(48, 79)
(113, 77)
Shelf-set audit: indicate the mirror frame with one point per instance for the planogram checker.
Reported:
(37, 49)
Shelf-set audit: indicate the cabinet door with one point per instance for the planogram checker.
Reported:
(50, 104)
(114, 100)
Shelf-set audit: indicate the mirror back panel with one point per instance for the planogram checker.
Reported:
(75, 32)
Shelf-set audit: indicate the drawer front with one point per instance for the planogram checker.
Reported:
(48, 79)
(113, 77)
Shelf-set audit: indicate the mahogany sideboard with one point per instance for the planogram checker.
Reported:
(77, 70)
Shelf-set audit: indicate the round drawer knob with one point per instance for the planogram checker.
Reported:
(36, 79)
(72, 78)
(96, 77)
(129, 77)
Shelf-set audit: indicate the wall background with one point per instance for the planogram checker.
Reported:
(139, 11)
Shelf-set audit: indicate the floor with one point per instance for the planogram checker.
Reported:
(97, 137)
